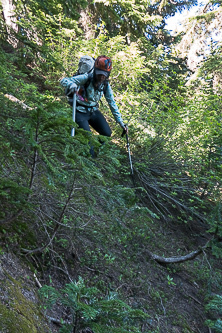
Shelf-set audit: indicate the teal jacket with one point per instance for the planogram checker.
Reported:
(93, 96)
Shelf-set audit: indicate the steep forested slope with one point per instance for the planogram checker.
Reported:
(103, 249)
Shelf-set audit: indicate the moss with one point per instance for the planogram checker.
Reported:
(11, 321)
(18, 314)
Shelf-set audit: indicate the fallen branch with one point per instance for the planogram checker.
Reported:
(173, 260)
(176, 260)
(16, 100)
(57, 321)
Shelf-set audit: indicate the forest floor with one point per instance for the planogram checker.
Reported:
(116, 256)
(174, 295)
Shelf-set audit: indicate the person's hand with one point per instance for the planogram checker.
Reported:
(73, 88)
(125, 129)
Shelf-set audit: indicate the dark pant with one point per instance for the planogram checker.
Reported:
(96, 120)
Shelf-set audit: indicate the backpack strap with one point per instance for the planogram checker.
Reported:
(83, 89)
(105, 86)
(90, 79)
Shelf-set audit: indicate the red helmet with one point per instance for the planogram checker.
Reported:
(103, 65)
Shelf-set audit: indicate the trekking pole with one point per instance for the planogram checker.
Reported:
(128, 147)
(73, 113)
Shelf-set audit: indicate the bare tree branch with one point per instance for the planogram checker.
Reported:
(56, 228)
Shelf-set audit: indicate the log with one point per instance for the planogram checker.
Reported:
(175, 260)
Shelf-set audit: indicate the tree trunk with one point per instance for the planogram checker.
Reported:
(8, 12)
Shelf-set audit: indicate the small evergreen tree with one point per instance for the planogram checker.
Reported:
(215, 309)
(88, 308)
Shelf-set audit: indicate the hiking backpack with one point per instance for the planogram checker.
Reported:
(85, 65)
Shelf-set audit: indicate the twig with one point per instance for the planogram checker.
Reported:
(168, 196)
(56, 321)
(37, 281)
(56, 228)
(164, 310)
(196, 300)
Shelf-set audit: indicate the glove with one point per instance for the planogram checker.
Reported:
(125, 129)
(73, 88)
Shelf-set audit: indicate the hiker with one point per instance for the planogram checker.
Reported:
(90, 84)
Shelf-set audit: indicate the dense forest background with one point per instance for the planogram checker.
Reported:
(83, 242)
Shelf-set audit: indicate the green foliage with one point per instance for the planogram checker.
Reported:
(84, 214)
(212, 65)
(134, 19)
(215, 220)
(88, 308)
(214, 307)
